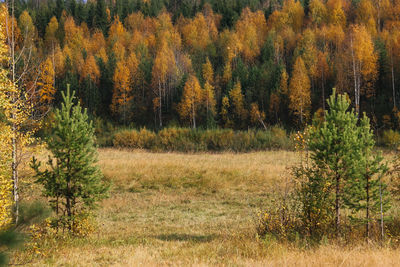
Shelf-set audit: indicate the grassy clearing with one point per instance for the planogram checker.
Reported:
(192, 209)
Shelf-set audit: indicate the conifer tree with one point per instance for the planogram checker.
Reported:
(72, 182)
(366, 190)
(335, 152)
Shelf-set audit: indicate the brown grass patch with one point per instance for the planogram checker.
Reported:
(193, 209)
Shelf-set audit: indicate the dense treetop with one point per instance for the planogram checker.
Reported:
(235, 64)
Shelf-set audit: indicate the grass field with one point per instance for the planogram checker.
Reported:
(183, 209)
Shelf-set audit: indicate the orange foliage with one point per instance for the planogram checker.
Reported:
(90, 69)
(122, 94)
(46, 82)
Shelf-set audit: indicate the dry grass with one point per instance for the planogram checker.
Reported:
(183, 209)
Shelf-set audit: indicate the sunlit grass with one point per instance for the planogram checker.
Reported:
(193, 209)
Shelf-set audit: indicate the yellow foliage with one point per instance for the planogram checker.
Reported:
(195, 32)
(122, 94)
(225, 111)
(255, 114)
(318, 11)
(117, 32)
(17, 112)
(46, 82)
(208, 72)
(299, 91)
(227, 75)
(237, 101)
(292, 14)
(306, 47)
(191, 99)
(51, 31)
(337, 15)
(209, 98)
(366, 15)
(251, 30)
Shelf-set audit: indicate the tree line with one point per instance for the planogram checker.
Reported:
(232, 64)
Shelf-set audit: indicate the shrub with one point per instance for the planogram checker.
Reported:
(126, 138)
(281, 219)
(146, 139)
(279, 138)
(189, 140)
(391, 138)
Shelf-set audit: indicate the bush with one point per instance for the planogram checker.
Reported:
(281, 219)
(147, 139)
(391, 138)
(126, 138)
(189, 140)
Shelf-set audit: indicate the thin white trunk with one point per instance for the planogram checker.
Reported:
(356, 85)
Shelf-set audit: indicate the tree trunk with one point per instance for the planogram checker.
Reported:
(14, 164)
(159, 108)
(301, 115)
(393, 87)
(15, 176)
(337, 204)
(356, 85)
(323, 90)
(380, 197)
(367, 209)
(194, 116)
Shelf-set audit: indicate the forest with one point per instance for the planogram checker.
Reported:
(230, 64)
(199, 133)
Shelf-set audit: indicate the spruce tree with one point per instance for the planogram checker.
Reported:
(72, 181)
(100, 16)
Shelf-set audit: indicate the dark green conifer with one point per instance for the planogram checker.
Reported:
(72, 181)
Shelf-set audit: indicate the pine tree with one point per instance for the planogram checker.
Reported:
(364, 190)
(335, 152)
(72, 182)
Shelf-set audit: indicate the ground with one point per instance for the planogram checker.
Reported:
(192, 209)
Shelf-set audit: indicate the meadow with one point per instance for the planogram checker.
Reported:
(172, 209)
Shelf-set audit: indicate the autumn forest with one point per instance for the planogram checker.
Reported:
(232, 64)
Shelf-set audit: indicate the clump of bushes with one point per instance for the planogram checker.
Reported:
(391, 138)
(189, 140)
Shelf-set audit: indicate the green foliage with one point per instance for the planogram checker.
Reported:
(335, 150)
(8, 239)
(12, 237)
(73, 181)
(343, 172)
(366, 191)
